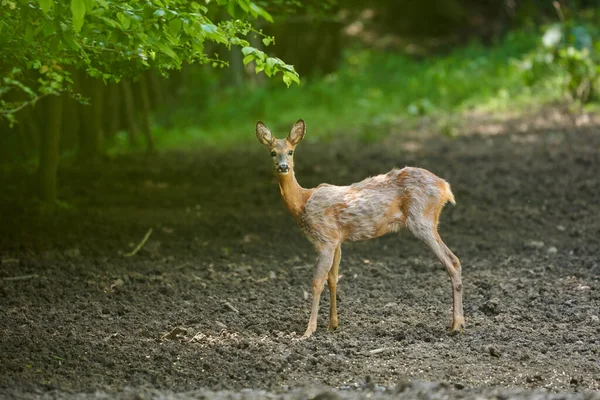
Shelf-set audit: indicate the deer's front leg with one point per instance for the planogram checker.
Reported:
(332, 279)
(324, 263)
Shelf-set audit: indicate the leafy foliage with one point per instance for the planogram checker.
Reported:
(572, 50)
(114, 39)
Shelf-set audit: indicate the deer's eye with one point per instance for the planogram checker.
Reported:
(290, 152)
(273, 154)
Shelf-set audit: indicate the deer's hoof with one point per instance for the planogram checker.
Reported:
(333, 325)
(308, 333)
(458, 325)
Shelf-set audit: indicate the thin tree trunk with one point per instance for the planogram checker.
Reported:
(98, 89)
(49, 152)
(23, 142)
(30, 134)
(91, 137)
(146, 123)
(71, 114)
(114, 110)
(236, 69)
(157, 90)
(85, 128)
(33, 128)
(133, 129)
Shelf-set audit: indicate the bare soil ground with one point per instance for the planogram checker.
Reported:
(214, 302)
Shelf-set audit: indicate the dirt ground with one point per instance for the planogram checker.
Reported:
(214, 302)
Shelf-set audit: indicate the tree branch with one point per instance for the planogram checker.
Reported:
(23, 105)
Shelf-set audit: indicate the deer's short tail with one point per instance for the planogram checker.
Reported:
(448, 195)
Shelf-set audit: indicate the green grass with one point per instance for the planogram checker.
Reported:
(371, 92)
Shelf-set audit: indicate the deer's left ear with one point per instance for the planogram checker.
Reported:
(297, 132)
(264, 135)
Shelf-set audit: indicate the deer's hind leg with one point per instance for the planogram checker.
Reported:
(452, 265)
(426, 230)
(332, 278)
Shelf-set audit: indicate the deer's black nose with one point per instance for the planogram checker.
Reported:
(283, 168)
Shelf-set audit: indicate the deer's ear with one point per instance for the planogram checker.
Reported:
(297, 132)
(263, 134)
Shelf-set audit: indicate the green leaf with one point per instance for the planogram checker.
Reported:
(249, 58)
(267, 41)
(45, 5)
(268, 71)
(209, 28)
(197, 7)
(231, 8)
(78, 12)
(251, 50)
(175, 26)
(271, 62)
(260, 11)
(125, 22)
(293, 76)
(159, 13)
(109, 22)
(70, 41)
(29, 33)
(49, 28)
(287, 80)
(90, 5)
(244, 4)
(173, 40)
(163, 48)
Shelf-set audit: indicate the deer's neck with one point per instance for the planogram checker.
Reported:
(294, 196)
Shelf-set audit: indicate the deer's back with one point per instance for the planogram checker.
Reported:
(369, 208)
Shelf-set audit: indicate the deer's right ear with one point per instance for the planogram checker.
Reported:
(263, 134)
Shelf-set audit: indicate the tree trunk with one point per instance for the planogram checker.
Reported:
(133, 129)
(236, 70)
(158, 91)
(71, 115)
(49, 152)
(113, 118)
(98, 90)
(24, 146)
(30, 130)
(146, 123)
(85, 149)
(91, 138)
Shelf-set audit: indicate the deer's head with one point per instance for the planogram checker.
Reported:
(281, 150)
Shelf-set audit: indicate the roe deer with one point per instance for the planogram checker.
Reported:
(329, 215)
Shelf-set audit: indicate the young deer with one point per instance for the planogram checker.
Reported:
(329, 215)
